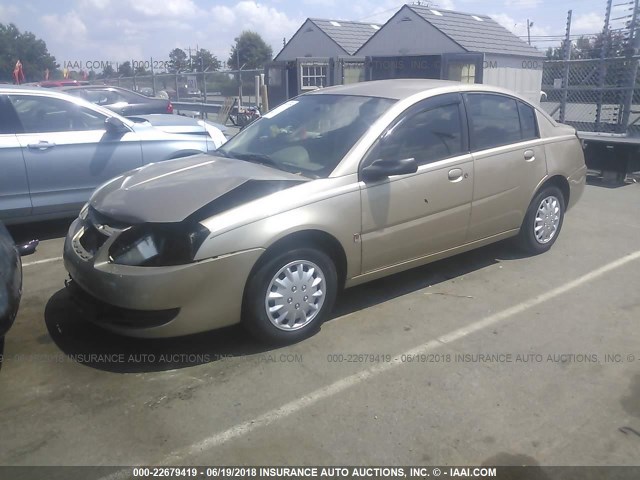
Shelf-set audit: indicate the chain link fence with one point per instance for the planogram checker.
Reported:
(594, 95)
(207, 87)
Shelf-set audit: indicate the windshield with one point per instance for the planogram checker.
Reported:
(308, 135)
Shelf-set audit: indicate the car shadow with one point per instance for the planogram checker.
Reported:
(90, 345)
(598, 181)
(45, 230)
(399, 284)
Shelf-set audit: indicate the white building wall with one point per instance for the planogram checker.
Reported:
(523, 75)
(408, 34)
(310, 41)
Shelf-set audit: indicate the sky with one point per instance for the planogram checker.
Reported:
(84, 31)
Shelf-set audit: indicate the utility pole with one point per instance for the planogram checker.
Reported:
(239, 76)
(602, 73)
(565, 77)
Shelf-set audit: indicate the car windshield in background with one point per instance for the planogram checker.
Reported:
(309, 135)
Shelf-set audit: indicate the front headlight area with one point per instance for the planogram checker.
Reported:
(158, 245)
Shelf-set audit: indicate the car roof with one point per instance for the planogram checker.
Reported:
(22, 88)
(92, 87)
(53, 92)
(58, 93)
(399, 89)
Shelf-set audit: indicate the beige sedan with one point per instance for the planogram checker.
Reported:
(329, 190)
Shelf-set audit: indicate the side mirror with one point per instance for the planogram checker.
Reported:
(114, 126)
(380, 169)
(27, 248)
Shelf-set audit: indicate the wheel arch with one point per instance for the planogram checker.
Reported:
(558, 181)
(319, 239)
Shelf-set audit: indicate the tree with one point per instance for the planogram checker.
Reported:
(250, 51)
(205, 60)
(591, 48)
(140, 70)
(125, 70)
(31, 51)
(108, 71)
(177, 60)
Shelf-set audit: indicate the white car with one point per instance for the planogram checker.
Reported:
(55, 149)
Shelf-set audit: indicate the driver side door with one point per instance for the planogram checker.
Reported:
(406, 217)
(68, 152)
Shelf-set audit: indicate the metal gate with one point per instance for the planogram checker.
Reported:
(594, 95)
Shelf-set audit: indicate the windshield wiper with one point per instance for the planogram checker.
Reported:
(256, 158)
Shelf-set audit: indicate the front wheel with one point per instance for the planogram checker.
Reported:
(288, 297)
(543, 221)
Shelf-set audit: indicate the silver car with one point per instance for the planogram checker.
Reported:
(332, 189)
(55, 150)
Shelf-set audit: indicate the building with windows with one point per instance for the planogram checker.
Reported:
(417, 42)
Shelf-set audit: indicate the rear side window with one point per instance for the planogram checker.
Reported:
(493, 120)
(528, 122)
(39, 114)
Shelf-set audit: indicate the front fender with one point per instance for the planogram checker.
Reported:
(338, 216)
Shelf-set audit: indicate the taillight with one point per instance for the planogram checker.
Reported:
(170, 107)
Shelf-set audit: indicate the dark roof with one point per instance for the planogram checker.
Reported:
(475, 33)
(350, 36)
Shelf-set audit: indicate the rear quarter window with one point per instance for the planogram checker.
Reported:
(528, 123)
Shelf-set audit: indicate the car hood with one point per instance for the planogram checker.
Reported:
(174, 123)
(191, 188)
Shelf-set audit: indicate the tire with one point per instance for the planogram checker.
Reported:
(550, 203)
(300, 313)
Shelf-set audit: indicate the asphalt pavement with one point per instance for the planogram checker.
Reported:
(489, 357)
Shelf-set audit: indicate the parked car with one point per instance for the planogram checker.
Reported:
(120, 100)
(146, 91)
(185, 125)
(10, 280)
(332, 189)
(55, 149)
(61, 83)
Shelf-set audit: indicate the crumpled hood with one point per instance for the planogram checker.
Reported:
(198, 187)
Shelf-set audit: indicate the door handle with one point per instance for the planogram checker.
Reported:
(455, 174)
(529, 155)
(41, 145)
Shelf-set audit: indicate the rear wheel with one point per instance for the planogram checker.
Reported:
(543, 221)
(289, 296)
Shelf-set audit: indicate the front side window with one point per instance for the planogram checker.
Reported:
(493, 120)
(313, 76)
(427, 136)
(308, 135)
(40, 114)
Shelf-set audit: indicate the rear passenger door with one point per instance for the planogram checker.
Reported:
(509, 162)
(14, 186)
